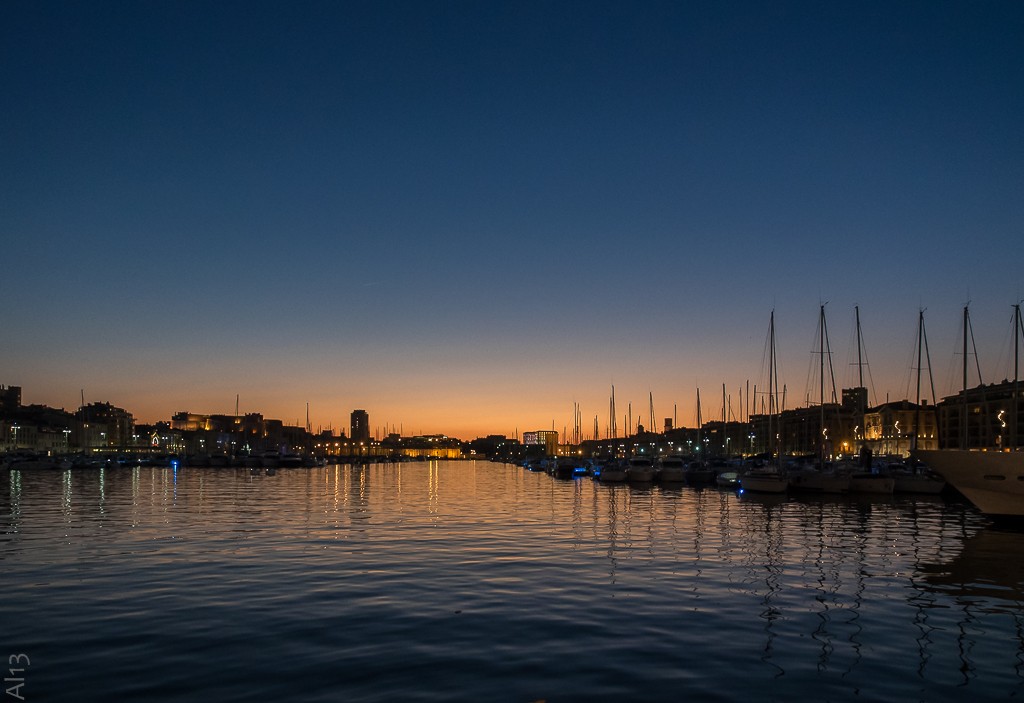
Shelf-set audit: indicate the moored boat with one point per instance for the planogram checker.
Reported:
(563, 467)
(640, 470)
(916, 479)
(819, 480)
(673, 469)
(870, 482)
(289, 460)
(612, 472)
(993, 481)
(699, 473)
(728, 479)
(37, 463)
(766, 480)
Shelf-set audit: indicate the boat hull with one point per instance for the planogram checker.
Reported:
(767, 482)
(612, 475)
(992, 481)
(672, 474)
(819, 482)
(876, 484)
(640, 474)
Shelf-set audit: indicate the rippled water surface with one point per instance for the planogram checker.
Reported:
(482, 581)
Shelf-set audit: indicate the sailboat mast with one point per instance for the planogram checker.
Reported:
(963, 409)
(860, 362)
(725, 445)
(917, 413)
(821, 386)
(771, 380)
(1016, 373)
(614, 420)
(699, 438)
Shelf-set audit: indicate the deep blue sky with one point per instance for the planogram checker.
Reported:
(466, 216)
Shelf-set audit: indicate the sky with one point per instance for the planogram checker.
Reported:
(469, 217)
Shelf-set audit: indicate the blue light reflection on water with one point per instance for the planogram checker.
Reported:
(468, 580)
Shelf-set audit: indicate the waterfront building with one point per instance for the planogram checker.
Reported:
(161, 438)
(800, 431)
(360, 426)
(545, 438)
(494, 445)
(893, 429)
(730, 440)
(983, 417)
(105, 427)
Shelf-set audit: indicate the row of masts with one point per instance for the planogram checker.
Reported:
(775, 406)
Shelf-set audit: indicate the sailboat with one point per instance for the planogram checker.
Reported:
(698, 472)
(822, 478)
(912, 477)
(991, 478)
(771, 478)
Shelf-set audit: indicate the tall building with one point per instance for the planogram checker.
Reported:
(547, 438)
(10, 399)
(360, 426)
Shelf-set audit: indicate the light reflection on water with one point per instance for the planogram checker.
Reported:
(469, 580)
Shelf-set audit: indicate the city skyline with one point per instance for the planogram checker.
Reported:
(469, 219)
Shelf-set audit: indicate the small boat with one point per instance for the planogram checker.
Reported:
(38, 463)
(728, 479)
(915, 479)
(289, 460)
(640, 470)
(698, 473)
(220, 460)
(871, 482)
(673, 469)
(764, 480)
(612, 472)
(536, 465)
(815, 480)
(563, 467)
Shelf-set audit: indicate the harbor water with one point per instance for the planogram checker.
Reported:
(480, 581)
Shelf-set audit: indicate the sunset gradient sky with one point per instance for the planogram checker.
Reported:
(465, 217)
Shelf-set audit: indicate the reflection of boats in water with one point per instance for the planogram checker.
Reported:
(991, 565)
(993, 481)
